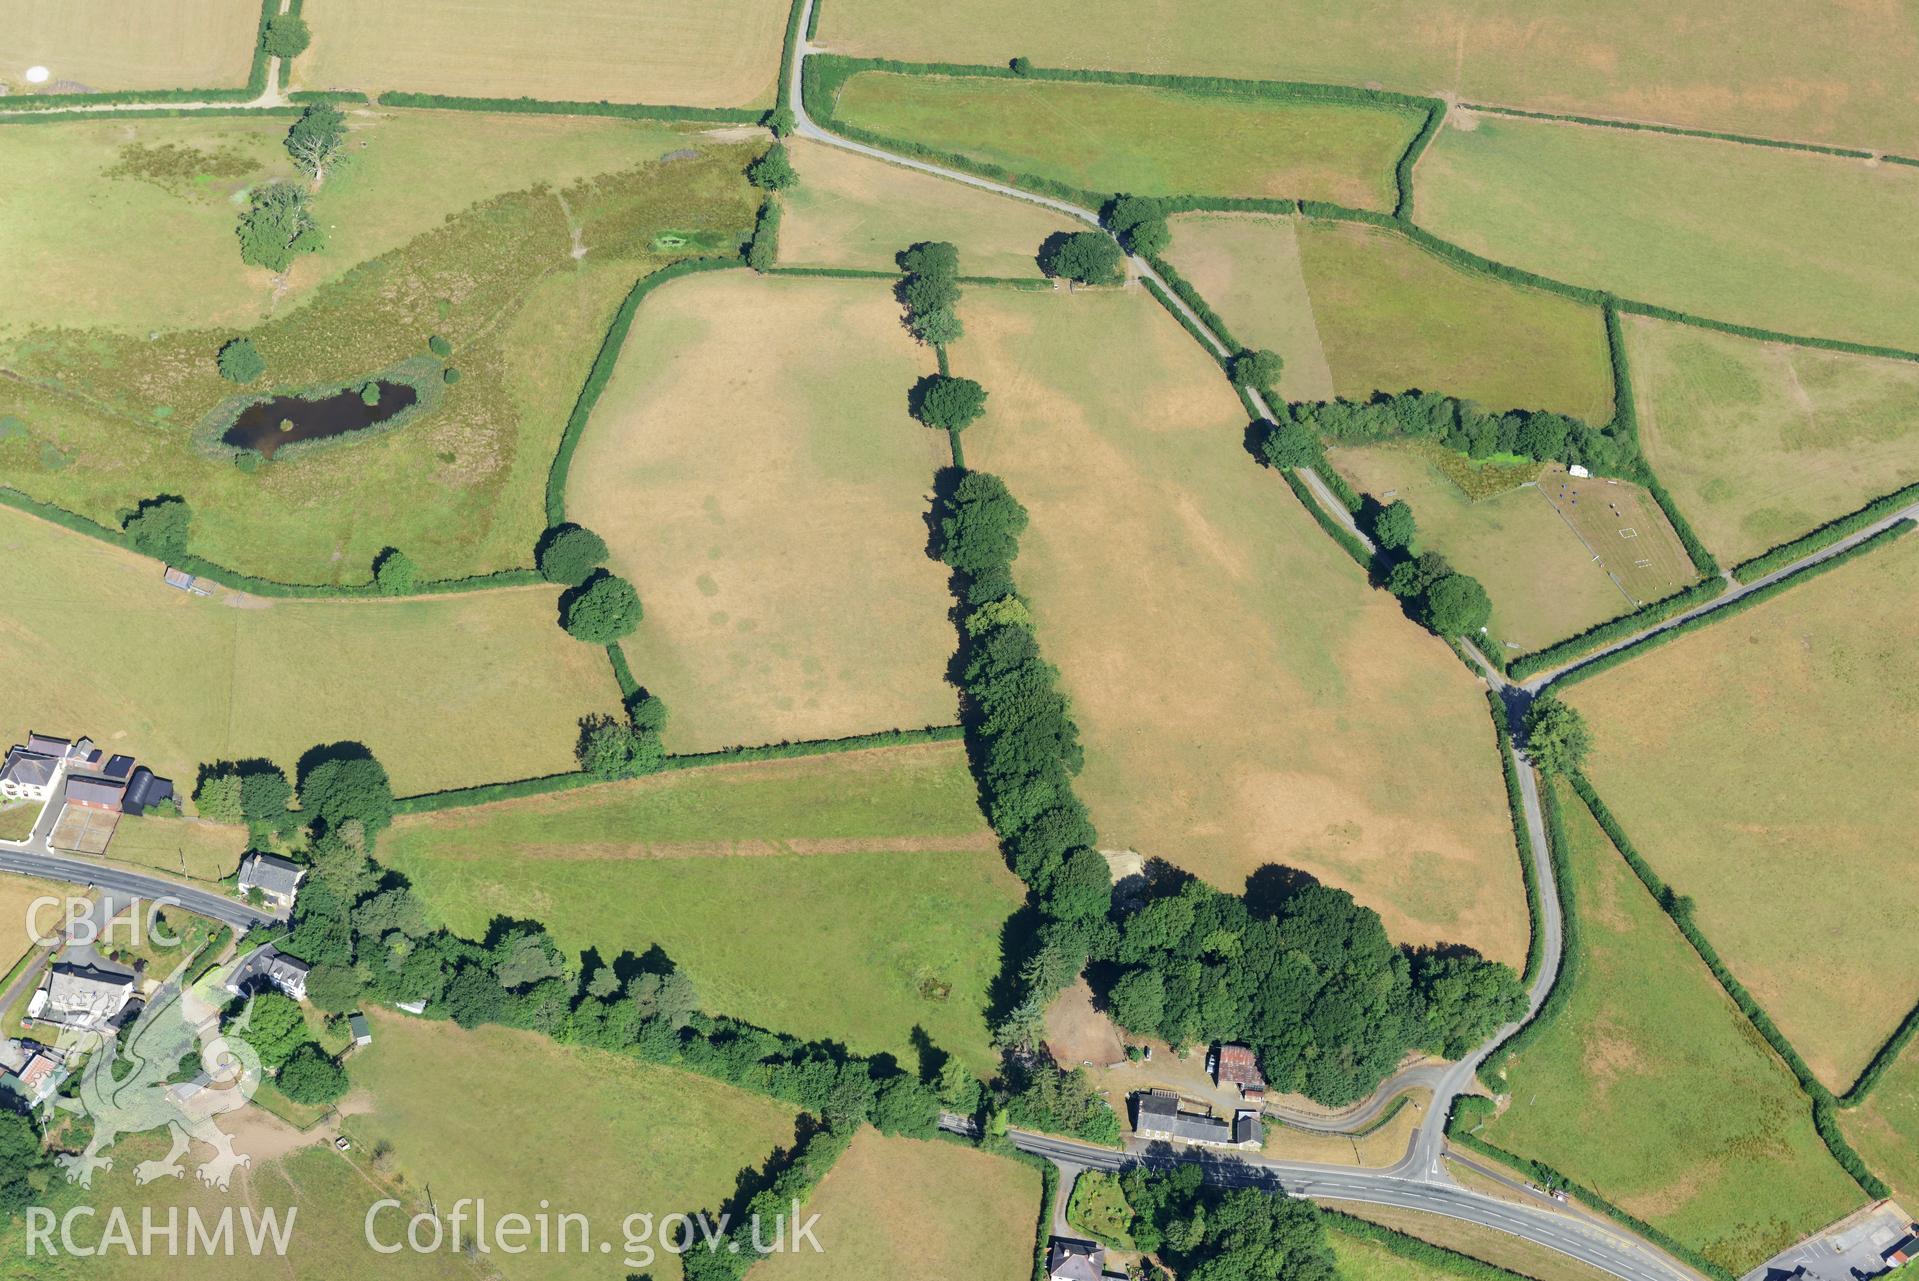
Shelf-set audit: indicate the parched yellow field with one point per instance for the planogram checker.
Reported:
(1244, 697)
(446, 691)
(754, 470)
(107, 45)
(1248, 267)
(894, 1207)
(1753, 69)
(182, 847)
(689, 53)
(1758, 767)
(1761, 442)
(18, 894)
(850, 210)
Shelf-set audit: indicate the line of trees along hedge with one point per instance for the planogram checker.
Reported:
(1469, 1110)
(1826, 535)
(553, 107)
(763, 251)
(785, 1184)
(1680, 909)
(1888, 1055)
(1616, 629)
(1463, 426)
(1635, 126)
(1757, 596)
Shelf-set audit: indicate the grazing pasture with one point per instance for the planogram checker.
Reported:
(102, 46)
(1763, 71)
(1801, 243)
(688, 53)
(1761, 442)
(1245, 699)
(1250, 269)
(1751, 766)
(203, 851)
(661, 1140)
(850, 210)
(1652, 1089)
(753, 468)
(1885, 1129)
(446, 690)
(1148, 141)
(973, 1216)
(888, 891)
(98, 420)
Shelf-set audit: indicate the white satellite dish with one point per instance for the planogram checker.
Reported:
(37, 75)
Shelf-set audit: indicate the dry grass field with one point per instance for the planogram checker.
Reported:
(1248, 267)
(688, 53)
(446, 690)
(1761, 442)
(105, 45)
(1544, 582)
(1652, 1089)
(1149, 141)
(1885, 1128)
(1784, 240)
(1244, 698)
(1489, 1244)
(18, 894)
(1745, 763)
(893, 1207)
(850, 210)
(754, 470)
(1762, 70)
(203, 851)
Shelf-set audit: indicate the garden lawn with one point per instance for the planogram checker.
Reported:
(17, 820)
(753, 468)
(1805, 244)
(1392, 316)
(1744, 763)
(1245, 699)
(894, 1207)
(1845, 79)
(851, 210)
(1545, 582)
(1652, 1089)
(693, 53)
(517, 1118)
(1885, 1129)
(96, 421)
(333, 1193)
(203, 851)
(1760, 442)
(878, 893)
(105, 46)
(447, 691)
(1248, 268)
(1150, 142)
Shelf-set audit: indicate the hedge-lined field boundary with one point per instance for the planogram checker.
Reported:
(1347, 541)
(1757, 596)
(1522, 838)
(1029, 284)
(1415, 1250)
(234, 580)
(789, 49)
(602, 371)
(1546, 1176)
(562, 107)
(1409, 159)
(1701, 557)
(138, 113)
(487, 793)
(1571, 948)
(1825, 535)
(1678, 131)
(1888, 1054)
(1616, 628)
(1670, 902)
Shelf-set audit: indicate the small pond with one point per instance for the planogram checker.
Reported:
(269, 424)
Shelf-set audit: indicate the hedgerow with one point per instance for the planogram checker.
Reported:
(1403, 171)
(1617, 628)
(602, 370)
(1571, 954)
(555, 107)
(1424, 1253)
(336, 96)
(763, 251)
(1186, 322)
(1522, 836)
(1702, 559)
(1678, 911)
(1755, 597)
(1824, 536)
(1192, 298)
(789, 49)
(1634, 126)
(131, 113)
(1888, 1054)
(783, 1188)
(1347, 540)
(255, 86)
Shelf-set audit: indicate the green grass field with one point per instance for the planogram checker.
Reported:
(754, 470)
(1653, 1090)
(886, 887)
(972, 1216)
(1244, 697)
(1747, 70)
(1760, 442)
(1489, 1244)
(1885, 1128)
(1151, 142)
(1249, 268)
(497, 1113)
(696, 53)
(446, 690)
(1783, 240)
(1357, 1259)
(1743, 763)
(1544, 582)
(103, 46)
(850, 210)
(204, 851)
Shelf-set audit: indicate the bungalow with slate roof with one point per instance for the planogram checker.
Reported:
(278, 879)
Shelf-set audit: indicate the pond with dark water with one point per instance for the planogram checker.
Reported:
(270, 424)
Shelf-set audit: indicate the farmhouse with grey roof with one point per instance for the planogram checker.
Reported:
(277, 879)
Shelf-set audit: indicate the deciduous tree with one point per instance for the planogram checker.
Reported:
(601, 610)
